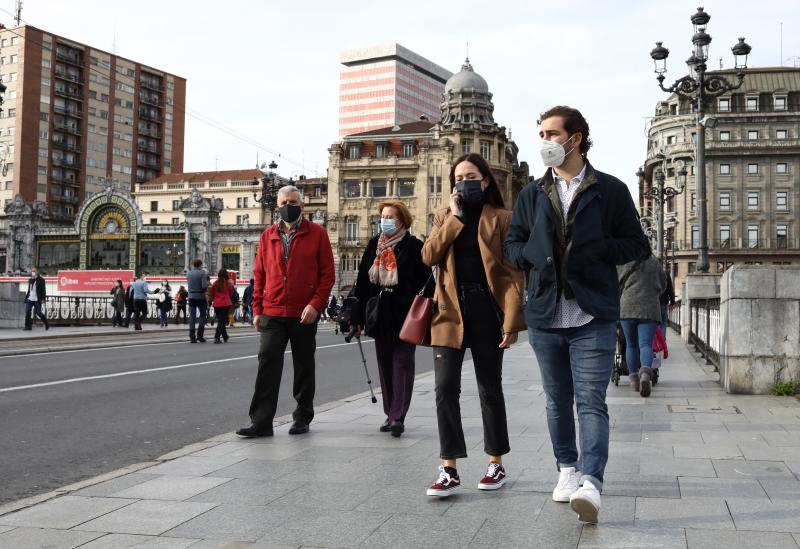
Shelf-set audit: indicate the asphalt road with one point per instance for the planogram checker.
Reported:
(71, 415)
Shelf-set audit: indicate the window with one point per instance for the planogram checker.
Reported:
(408, 150)
(752, 236)
(752, 200)
(43, 116)
(12, 112)
(752, 169)
(241, 202)
(724, 236)
(343, 263)
(176, 205)
(154, 206)
(466, 146)
(694, 202)
(782, 200)
(153, 221)
(352, 188)
(486, 150)
(380, 150)
(378, 187)
(14, 40)
(724, 105)
(45, 81)
(354, 151)
(725, 200)
(695, 236)
(725, 136)
(751, 104)
(177, 220)
(752, 134)
(780, 103)
(671, 139)
(781, 134)
(317, 192)
(724, 169)
(351, 230)
(405, 187)
(781, 235)
(781, 167)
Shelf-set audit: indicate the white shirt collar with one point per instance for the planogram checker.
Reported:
(577, 179)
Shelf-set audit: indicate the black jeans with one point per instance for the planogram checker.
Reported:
(180, 310)
(197, 305)
(139, 312)
(276, 332)
(222, 321)
(36, 307)
(482, 334)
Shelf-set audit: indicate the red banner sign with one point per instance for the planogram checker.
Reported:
(91, 281)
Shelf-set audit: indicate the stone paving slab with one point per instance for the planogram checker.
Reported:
(673, 479)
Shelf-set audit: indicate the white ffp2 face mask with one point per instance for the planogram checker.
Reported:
(554, 154)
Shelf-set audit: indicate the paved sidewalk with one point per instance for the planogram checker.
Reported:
(689, 467)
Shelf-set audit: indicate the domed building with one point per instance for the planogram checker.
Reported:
(411, 162)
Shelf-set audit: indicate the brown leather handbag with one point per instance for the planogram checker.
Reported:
(417, 325)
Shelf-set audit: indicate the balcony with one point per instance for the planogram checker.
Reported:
(151, 132)
(74, 113)
(65, 145)
(150, 100)
(743, 245)
(146, 115)
(751, 146)
(68, 128)
(63, 75)
(64, 180)
(150, 84)
(64, 163)
(66, 199)
(72, 59)
(71, 94)
(152, 164)
(153, 148)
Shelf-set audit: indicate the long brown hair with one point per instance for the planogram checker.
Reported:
(492, 191)
(221, 283)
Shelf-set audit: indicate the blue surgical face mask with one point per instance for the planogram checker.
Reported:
(388, 226)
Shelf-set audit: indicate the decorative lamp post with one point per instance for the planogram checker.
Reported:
(173, 254)
(269, 190)
(660, 194)
(701, 88)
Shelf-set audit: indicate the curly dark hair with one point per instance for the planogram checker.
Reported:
(574, 122)
(492, 192)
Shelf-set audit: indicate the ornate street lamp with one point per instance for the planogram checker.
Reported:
(173, 254)
(702, 88)
(269, 190)
(661, 194)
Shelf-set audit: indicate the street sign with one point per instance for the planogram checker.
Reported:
(91, 281)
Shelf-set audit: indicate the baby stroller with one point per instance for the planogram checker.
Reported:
(620, 366)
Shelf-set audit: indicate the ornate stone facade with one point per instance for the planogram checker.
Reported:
(411, 162)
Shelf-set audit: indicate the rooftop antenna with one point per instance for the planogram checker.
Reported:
(18, 11)
(781, 43)
(720, 63)
(467, 50)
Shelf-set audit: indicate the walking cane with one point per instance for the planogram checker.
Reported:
(348, 338)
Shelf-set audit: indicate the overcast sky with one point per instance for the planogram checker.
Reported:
(269, 70)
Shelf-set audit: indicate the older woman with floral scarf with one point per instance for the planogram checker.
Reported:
(391, 273)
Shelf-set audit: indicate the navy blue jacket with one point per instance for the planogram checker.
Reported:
(577, 257)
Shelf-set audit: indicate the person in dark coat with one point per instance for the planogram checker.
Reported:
(667, 298)
(390, 274)
(118, 303)
(34, 299)
(247, 301)
(570, 230)
(129, 303)
(180, 303)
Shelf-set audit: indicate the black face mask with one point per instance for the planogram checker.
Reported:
(470, 191)
(290, 213)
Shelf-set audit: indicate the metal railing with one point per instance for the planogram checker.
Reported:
(704, 328)
(67, 310)
(674, 316)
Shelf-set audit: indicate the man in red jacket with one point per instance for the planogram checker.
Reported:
(293, 276)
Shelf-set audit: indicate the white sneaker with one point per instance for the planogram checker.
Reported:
(568, 479)
(586, 502)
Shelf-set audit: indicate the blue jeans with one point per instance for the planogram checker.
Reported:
(639, 336)
(576, 365)
(194, 305)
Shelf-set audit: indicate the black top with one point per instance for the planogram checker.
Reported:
(469, 263)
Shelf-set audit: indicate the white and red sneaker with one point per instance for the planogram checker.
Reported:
(447, 483)
(495, 477)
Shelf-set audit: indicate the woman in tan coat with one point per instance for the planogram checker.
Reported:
(478, 306)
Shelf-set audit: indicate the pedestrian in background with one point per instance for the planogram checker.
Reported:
(197, 284)
(247, 302)
(180, 305)
(129, 303)
(35, 297)
(164, 302)
(118, 303)
(479, 307)
(221, 293)
(390, 274)
(667, 299)
(293, 275)
(140, 291)
(641, 284)
(570, 230)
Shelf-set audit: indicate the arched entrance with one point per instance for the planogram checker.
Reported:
(109, 239)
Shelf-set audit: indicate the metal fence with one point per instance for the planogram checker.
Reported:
(704, 331)
(65, 310)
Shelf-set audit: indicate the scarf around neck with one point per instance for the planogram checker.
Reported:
(384, 270)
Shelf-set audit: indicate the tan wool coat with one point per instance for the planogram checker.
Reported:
(505, 280)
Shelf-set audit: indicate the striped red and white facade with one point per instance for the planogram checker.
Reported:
(385, 86)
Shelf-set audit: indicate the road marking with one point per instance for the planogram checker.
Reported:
(150, 370)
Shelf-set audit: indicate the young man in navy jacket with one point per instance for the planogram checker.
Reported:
(569, 231)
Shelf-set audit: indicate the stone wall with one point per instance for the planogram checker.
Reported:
(760, 327)
(12, 305)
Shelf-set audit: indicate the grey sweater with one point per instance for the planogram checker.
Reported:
(642, 288)
(197, 283)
